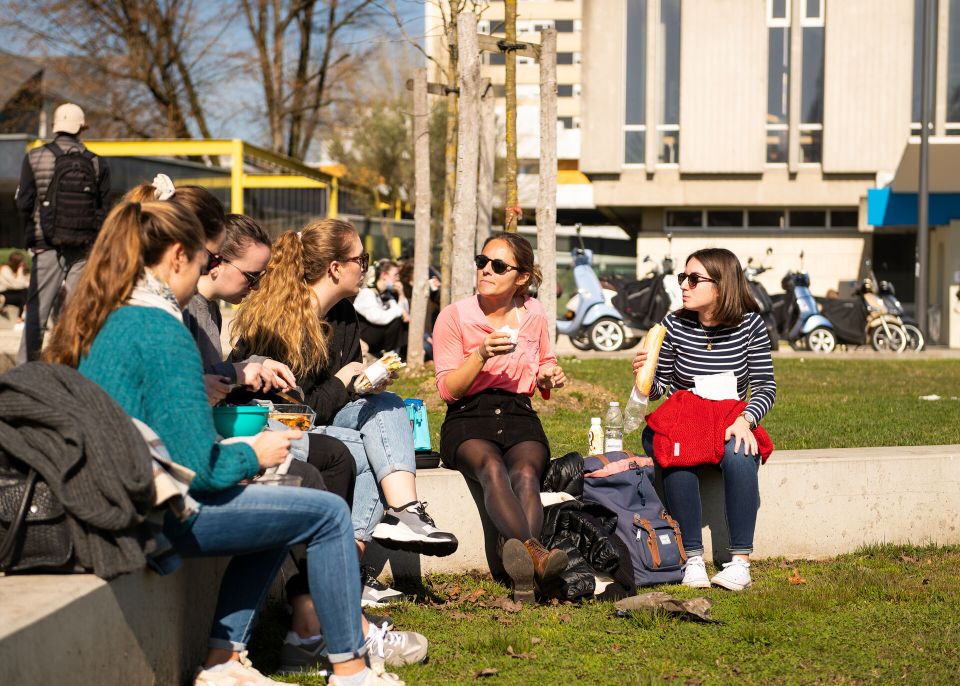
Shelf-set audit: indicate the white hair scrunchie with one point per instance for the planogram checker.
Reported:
(163, 187)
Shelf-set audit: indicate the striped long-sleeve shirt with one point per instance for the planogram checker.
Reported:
(743, 350)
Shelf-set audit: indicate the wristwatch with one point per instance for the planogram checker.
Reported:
(751, 420)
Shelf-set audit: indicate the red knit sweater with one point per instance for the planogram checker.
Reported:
(689, 430)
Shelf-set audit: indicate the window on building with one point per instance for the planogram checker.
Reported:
(846, 219)
(685, 218)
(499, 90)
(564, 25)
(953, 69)
(565, 58)
(778, 79)
(496, 58)
(668, 129)
(811, 86)
(565, 90)
(765, 219)
(569, 122)
(636, 83)
(808, 219)
(725, 218)
(916, 104)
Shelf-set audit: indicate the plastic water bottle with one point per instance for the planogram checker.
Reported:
(635, 411)
(613, 437)
(595, 436)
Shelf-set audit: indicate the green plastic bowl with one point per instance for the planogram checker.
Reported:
(240, 420)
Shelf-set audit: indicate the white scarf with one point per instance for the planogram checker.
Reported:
(150, 291)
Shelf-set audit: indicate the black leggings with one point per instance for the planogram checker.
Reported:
(15, 297)
(383, 338)
(329, 467)
(510, 482)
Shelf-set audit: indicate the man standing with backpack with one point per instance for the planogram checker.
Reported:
(62, 197)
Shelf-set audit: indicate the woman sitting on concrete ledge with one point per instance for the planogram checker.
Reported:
(123, 329)
(492, 351)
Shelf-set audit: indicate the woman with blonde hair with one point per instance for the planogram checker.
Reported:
(302, 316)
(124, 331)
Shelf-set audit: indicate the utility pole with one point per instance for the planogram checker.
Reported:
(547, 181)
(928, 44)
(421, 245)
(511, 210)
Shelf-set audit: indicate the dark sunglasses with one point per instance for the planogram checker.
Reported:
(498, 266)
(253, 278)
(363, 259)
(694, 279)
(213, 260)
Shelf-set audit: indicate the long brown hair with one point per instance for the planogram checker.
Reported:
(523, 254)
(134, 236)
(279, 319)
(197, 199)
(734, 299)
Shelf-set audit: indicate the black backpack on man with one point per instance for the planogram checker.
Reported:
(70, 211)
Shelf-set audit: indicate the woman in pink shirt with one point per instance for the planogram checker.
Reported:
(492, 351)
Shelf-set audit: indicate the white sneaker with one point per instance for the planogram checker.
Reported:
(376, 676)
(735, 575)
(396, 648)
(232, 673)
(695, 573)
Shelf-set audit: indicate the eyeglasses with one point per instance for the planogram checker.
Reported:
(363, 259)
(499, 266)
(253, 278)
(213, 260)
(694, 279)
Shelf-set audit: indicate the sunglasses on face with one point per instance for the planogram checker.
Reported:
(213, 260)
(498, 266)
(363, 260)
(694, 279)
(253, 278)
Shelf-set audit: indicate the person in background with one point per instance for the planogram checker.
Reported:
(492, 351)
(718, 331)
(14, 284)
(433, 303)
(124, 331)
(58, 256)
(383, 320)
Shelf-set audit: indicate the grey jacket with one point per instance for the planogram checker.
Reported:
(203, 318)
(36, 173)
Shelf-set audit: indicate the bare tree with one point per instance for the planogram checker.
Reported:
(298, 55)
(147, 61)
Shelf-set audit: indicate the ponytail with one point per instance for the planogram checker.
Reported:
(134, 236)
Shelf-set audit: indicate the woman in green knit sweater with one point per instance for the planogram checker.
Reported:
(122, 328)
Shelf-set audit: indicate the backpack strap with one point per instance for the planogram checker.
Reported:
(55, 149)
(676, 532)
(651, 539)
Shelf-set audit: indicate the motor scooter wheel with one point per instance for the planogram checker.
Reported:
(895, 342)
(581, 343)
(821, 340)
(607, 335)
(915, 341)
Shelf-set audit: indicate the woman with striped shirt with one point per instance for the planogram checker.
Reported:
(717, 331)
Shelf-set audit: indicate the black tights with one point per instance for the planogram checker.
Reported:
(510, 481)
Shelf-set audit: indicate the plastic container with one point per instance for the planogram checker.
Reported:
(240, 420)
(635, 411)
(595, 437)
(613, 436)
(299, 417)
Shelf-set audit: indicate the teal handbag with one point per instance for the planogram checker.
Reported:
(417, 414)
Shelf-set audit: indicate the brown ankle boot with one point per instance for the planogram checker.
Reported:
(546, 563)
(518, 565)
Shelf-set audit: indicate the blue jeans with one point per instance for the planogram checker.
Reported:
(257, 525)
(376, 431)
(741, 490)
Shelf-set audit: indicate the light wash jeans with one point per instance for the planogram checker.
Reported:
(377, 433)
(257, 525)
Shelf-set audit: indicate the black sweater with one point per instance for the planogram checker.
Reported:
(322, 390)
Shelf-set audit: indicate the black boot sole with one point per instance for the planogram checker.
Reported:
(518, 565)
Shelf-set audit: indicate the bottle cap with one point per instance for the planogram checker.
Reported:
(595, 420)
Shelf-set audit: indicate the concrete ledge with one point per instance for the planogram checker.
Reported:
(814, 504)
(78, 629)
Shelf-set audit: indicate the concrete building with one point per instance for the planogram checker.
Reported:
(764, 123)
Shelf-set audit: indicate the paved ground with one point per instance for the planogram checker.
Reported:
(10, 340)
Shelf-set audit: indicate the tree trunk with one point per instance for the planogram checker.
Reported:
(450, 158)
(421, 244)
(488, 142)
(468, 157)
(547, 186)
(511, 208)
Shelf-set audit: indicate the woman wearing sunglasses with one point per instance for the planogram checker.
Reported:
(492, 351)
(718, 331)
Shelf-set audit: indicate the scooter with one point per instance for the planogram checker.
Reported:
(804, 326)
(763, 299)
(590, 320)
(888, 295)
(884, 329)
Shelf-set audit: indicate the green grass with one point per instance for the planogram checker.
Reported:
(821, 403)
(882, 615)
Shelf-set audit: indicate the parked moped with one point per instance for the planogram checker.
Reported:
(763, 299)
(803, 325)
(888, 295)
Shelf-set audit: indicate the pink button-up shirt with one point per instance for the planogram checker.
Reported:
(461, 328)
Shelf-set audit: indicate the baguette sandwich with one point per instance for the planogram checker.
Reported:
(651, 343)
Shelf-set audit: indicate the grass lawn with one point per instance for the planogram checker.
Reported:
(882, 615)
(839, 403)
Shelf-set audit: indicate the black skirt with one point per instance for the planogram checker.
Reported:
(502, 418)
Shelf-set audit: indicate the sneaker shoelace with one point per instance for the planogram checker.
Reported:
(381, 636)
(421, 509)
(370, 579)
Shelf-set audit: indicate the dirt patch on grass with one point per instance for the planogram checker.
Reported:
(573, 397)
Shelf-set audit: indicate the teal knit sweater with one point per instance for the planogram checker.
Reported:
(147, 361)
